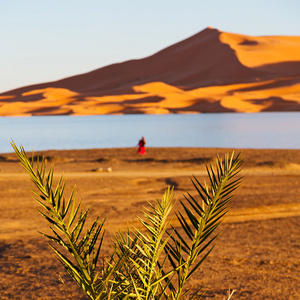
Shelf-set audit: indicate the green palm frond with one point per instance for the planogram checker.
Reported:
(202, 217)
(67, 222)
(145, 247)
(151, 263)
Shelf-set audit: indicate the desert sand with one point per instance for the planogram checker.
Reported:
(212, 71)
(257, 253)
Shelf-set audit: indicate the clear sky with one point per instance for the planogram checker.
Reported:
(47, 40)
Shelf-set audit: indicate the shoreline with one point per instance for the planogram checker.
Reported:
(222, 149)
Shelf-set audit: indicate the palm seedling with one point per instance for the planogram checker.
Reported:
(153, 262)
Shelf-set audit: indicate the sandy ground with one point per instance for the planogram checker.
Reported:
(257, 253)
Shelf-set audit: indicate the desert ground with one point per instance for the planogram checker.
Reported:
(257, 253)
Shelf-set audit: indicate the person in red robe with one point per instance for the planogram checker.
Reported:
(142, 149)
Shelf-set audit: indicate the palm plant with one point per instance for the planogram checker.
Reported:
(155, 261)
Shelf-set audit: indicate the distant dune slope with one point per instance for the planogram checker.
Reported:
(212, 71)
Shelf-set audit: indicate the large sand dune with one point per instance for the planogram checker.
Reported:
(212, 71)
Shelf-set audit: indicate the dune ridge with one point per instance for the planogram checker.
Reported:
(211, 71)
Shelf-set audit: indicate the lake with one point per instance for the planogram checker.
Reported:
(229, 130)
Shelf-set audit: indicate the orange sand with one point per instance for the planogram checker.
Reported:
(212, 71)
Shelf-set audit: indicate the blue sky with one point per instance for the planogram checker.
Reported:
(47, 40)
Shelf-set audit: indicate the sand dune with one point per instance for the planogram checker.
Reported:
(259, 51)
(212, 71)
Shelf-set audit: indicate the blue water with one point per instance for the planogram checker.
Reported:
(229, 130)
